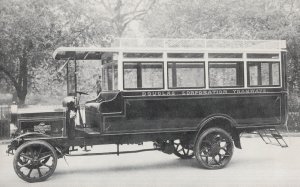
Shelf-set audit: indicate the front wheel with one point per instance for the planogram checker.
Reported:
(35, 161)
(214, 148)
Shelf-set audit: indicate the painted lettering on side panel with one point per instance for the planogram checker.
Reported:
(249, 91)
(158, 93)
(203, 92)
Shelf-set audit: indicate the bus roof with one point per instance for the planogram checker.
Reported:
(81, 53)
(168, 45)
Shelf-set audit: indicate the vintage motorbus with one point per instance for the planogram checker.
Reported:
(192, 98)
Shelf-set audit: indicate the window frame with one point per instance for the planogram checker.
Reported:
(270, 73)
(237, 62)
(141, 62)
(189, 62)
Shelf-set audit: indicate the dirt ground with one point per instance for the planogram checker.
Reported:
(257, 164)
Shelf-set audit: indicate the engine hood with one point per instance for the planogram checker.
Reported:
(41, 110)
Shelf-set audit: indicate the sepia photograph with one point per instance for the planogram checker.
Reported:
(157, 93)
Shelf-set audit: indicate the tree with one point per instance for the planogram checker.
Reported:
(30, 32)
(120, 13)
(188, 19)
(17, 44)
(232, 19)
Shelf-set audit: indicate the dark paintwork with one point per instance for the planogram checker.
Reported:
(134, 112)
(42, 114)
(79, 55)
(110, 103)
(138, 116)
(54, 121)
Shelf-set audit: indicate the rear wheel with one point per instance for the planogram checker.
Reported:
(214, 148)
(183, 149)
(35, 161)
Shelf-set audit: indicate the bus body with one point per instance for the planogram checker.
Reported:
(174, 89)
(190, 97)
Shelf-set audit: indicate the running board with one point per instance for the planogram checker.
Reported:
(111, 153)
(268, 136)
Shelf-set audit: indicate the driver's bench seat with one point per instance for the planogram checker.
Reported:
(105, 103)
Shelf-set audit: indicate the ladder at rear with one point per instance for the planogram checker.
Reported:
(272, 136)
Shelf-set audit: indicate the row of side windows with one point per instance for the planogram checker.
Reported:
(150, 75)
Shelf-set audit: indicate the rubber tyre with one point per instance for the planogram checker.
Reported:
(200, 142)
(34, 143)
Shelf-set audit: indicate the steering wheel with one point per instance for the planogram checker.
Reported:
(82, 93)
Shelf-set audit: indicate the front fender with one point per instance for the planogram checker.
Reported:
(19, 140)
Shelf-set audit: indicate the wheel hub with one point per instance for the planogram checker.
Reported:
(35, 162)
(215, 149)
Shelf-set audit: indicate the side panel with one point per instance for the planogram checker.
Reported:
(49, 123)
(142, 114)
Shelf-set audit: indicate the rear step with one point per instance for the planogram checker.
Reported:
(268, 134)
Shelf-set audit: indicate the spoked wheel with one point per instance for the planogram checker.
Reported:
(214, 148)
(35, 161)
(183, 150)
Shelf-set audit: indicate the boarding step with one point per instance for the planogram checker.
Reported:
(269, 135)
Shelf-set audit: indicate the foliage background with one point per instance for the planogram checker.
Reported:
(31, 30)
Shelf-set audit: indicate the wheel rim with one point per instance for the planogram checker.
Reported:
(183, 150)
(216, 149)
(35, 162)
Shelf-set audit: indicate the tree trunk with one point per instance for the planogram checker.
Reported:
(22, 80)
(19, 82)
(21, 97)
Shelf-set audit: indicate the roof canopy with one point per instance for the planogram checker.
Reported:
(198, 43)
(81, 53)
(160, 45)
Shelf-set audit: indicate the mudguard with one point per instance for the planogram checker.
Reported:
(17, 141)
(234, 133)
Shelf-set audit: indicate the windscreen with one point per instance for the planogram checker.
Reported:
(110, 72)
(71, 78)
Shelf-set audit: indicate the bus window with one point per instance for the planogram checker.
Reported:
(185, 55)
(186, 75)
(226, 74)
(263, 74)
(107, 78)
(110, 77)
(115, 77)
(225, 55)
(145, 75)
(71, 78)
(142, 55)
(263, 55)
